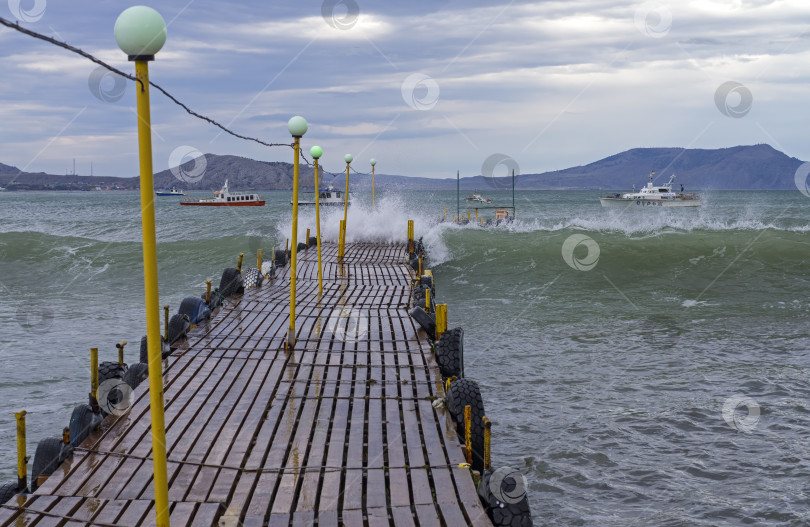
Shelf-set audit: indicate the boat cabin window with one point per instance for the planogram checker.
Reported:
(662, 190)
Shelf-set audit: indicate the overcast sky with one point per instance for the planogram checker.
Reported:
(426, 88)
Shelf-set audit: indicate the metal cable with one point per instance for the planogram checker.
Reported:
(50, 40)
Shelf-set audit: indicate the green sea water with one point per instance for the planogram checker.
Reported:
(616, 350)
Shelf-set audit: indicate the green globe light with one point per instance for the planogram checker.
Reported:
(348, 158)
(373, 161)
(297, 126)
(140, 32)
(316, 152)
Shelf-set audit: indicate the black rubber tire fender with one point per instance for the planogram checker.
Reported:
(50, 453)
(231, 282)
(280, 258)
(214, 301)
(253, 278)
(7, 491)
(313, 241)
(504, 514)
(179, 326)
(450, 353)
(111, 370)
(425, 321)
(136, 374)
(165, 350)
(465, 392)
(107, 371)
(302, 247)
(195, 309)
(82, 422)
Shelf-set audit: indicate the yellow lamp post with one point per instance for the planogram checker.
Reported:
(298, 127)
(373, 202)
(316, 152)
(348, 158)
(140, 32)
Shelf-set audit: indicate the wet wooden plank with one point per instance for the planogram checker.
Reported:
(340, 430)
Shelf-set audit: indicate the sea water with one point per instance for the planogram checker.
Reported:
(640, 367)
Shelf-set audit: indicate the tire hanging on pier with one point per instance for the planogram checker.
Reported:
(465, 392)
(179, 325)
(426, 321)
(280, 258)
(313, 241)
(253, 278)
(165, 350)
(113, 393)
(82, 421)
(195, 309)
(514, 510)
(231, 282)
(136, 374)
(450, 353)
(7, 491)
(50, 453)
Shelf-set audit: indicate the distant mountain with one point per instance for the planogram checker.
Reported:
(757, 167)
(6, 169)
(740, 167)
(242, 173)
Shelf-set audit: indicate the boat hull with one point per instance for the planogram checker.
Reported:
(225, 204)
(619, 203)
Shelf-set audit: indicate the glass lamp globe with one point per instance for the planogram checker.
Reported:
(140, 32)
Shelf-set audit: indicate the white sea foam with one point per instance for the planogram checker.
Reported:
(387, 223)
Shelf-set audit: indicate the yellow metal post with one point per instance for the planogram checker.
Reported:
(487, 441)
(287, 246)
(120, 347)
(22, 458)
(94, 372)
(165, 323)
(410, 236)
(207, 291)
(420, 265)
(468, 432)
(346, 206)
(341, 233)
(468, 215)
(307, 240)
(373, 201)
(441, 319)
(445, 214)
(239, 263)
(151, 295)
(427, 300)
(259, 260)
(318, 228)
(294, 245)
(476, 214)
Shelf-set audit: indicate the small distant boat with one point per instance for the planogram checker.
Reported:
(174, 191)
(478, 198)
(331, 197)
(225, 198)
(2, 189)
(652, 196)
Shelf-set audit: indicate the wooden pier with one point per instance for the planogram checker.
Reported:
(341, 430)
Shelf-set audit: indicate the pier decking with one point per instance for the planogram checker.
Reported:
(340, 430)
